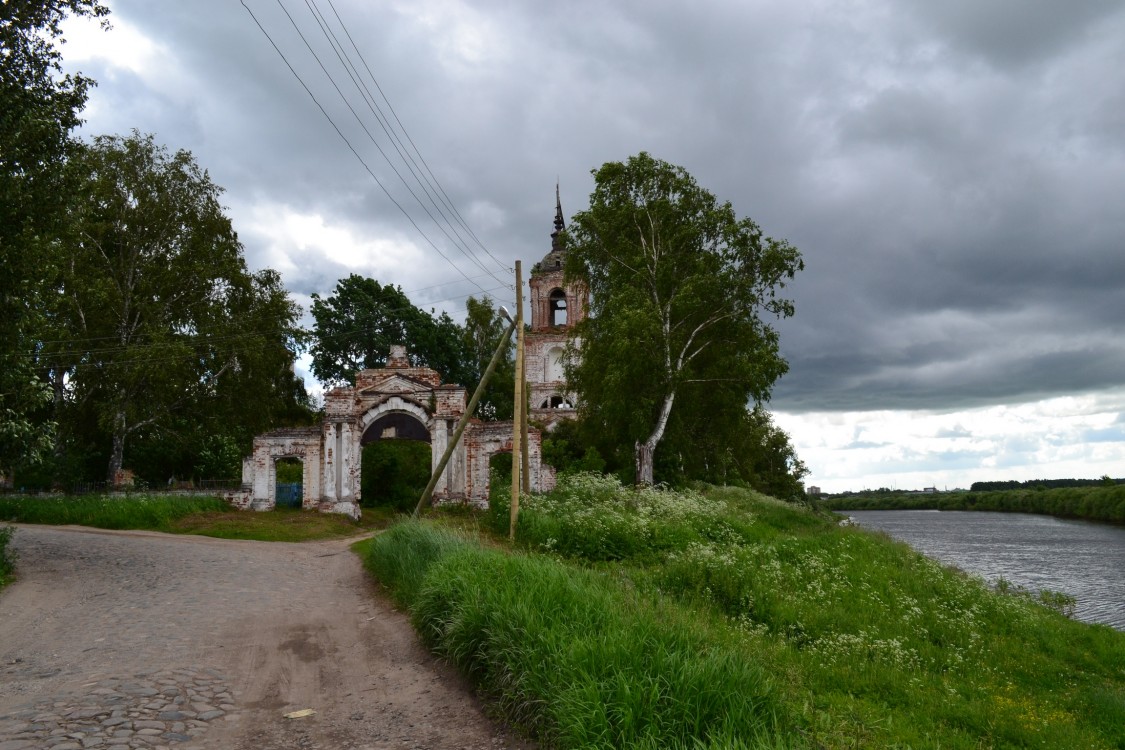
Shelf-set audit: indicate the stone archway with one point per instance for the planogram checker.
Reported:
(395, 458)
(398, 397)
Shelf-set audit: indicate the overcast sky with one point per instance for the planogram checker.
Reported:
(953, 173)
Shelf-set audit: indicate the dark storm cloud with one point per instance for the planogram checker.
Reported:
(951, 171)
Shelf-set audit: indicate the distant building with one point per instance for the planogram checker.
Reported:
(813, 490)
(930, 490)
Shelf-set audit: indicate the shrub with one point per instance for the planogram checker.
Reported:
(7, 554)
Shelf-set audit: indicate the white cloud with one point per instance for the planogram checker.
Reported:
(124, 47)
(292, 241)
(1073, 436)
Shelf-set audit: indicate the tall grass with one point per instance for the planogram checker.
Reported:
(106, 511)
(572, 657)
(7, 556)
(866, 643)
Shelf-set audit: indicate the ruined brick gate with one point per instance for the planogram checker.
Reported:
(404, 402)
(395, 402)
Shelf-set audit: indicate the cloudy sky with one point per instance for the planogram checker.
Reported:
(953, 172)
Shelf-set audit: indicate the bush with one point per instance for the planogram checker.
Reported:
(594, 517)
(7, 555)
(106, 511)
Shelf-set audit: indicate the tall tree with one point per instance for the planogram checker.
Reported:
(355, 327)
(484, 327)
(160, 323)
(679, 286)
(38, 109)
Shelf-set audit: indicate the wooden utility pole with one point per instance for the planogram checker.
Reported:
(518, 414)
(523, 422)
(501, 348)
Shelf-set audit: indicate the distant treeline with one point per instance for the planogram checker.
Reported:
(1095, 503)
(1035, 484)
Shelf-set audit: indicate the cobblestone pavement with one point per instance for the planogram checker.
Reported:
(144, 640)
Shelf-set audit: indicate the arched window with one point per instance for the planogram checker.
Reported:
(558, 307)
(556, 370)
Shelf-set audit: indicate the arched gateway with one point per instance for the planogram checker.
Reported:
(394, 401)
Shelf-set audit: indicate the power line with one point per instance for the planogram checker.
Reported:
(426, 184)
(356, 153)
(445, 196)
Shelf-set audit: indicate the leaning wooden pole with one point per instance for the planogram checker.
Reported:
(428, 493)
(517, 418)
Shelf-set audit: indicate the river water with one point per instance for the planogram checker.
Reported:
(1080, 558)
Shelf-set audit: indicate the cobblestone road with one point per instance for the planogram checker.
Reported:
(144, 640)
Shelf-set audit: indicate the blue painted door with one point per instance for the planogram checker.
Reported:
(289, 494)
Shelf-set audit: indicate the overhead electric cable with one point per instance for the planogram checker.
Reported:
(428, 186)
(406, 133)
(371, 137)
(351, 148)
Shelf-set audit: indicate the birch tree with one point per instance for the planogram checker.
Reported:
(159, 320)
(681, 294)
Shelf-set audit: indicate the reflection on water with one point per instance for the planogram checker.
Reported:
(1080, 558)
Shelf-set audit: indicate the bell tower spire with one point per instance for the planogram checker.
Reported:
(559, 223)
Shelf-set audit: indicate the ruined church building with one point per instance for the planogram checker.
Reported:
(400, 401)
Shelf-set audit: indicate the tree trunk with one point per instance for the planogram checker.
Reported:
(644, 464)
(644, 451)
(118, 454)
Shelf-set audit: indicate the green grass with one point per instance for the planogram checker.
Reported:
(836, 637)
(106, 511)
(572, 657)
(206, 516)
(7, 556)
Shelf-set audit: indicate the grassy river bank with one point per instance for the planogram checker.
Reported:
(727, 619)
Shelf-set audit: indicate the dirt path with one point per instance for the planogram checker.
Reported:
(141, 640)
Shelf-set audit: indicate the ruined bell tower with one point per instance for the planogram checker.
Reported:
(556, 308)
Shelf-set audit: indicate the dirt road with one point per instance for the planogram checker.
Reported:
(142, 640)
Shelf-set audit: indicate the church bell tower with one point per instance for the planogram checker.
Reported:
(556, 308)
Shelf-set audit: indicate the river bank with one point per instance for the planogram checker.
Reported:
(1074, 558)
(728, 619)
(1103, 504)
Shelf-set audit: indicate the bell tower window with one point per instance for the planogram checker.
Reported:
(558, 307)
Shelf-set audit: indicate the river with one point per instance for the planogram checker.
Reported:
(1080, 558)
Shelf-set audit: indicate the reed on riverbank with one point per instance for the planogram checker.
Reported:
(834, 637)
(1101, 503)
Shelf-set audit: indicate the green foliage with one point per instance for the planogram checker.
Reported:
(402, 557)
(1094, 503)
(106, 511)
(484, 327)
(1035, 484)
(571, 657)
(737, 447)
(220, 457)
(159, 333)
(565, 449)
(868, 644)
(289, 470)
(7, 555)
(355, 327)
(394, 473)
(38, 109)
(593, 517)
(679, 286)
